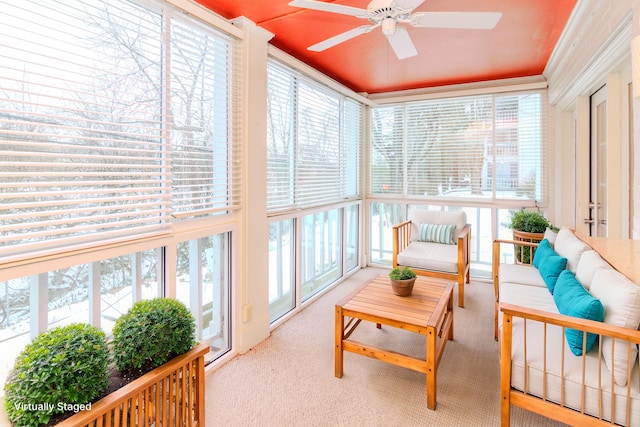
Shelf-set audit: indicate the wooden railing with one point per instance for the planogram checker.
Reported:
(170, 395)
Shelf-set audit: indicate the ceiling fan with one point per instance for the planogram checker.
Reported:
(387, 14)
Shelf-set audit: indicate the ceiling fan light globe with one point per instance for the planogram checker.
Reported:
(388, 26)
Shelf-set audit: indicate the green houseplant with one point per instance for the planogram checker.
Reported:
(528, 226)
(402, 280)
(63, 368)
(154, 345)
(67, 376)
(151, 333)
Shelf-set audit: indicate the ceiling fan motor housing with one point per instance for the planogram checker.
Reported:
(380, 6)
(386, 11)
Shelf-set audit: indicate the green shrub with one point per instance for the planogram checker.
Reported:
(403, 273)
(64, 366)
(151, 333)
(529, 221)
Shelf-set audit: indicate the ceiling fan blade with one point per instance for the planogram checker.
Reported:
(409, 4)
(343, 37)
(330, 7)
(401, 43)
(462, 20)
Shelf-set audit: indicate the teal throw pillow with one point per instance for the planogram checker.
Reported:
(572, 299)
(438, 233)
(551, 268)
(544, 248)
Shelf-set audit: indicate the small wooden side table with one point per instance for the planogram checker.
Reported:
(428, 311)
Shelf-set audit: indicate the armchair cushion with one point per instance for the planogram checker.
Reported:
(437, 233)
(426, 216)
(430, 256)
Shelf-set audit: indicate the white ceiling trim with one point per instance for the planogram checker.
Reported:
(466, 89)
(565, 85)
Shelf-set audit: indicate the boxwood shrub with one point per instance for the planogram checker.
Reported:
(151, 333)
(64, 366)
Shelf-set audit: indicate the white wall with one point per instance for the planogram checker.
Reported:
(594, 50)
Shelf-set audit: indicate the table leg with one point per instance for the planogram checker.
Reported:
(431, 368)
(338, 342)
(451, 314)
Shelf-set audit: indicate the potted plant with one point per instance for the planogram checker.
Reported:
(528, 226)
(402, 280)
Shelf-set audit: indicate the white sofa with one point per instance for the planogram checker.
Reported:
(541, 373)
(443, 253)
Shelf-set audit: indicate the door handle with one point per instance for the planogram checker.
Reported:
(588, 221)
(603, 222)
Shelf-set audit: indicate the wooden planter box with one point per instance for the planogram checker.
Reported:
(524, 254)
(170, 395)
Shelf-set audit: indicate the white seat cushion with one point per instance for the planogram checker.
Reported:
(430, 256)
(568, 388)
(536, 297)
(520, 274)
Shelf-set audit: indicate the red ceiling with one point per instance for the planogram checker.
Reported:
(520, 45)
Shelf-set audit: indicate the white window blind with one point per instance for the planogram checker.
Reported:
(387, 150)
(314, 140)
(89, 127)
(487, 147)
(204, 142)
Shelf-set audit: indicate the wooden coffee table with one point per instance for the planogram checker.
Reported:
(428, 311)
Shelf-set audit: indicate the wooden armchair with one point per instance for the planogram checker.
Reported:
(427, 253)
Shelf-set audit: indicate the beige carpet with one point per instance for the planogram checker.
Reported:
(287, 380)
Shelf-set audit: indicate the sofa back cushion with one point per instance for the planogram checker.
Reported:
(572, 299)
(425, 216)
(621, 300)
(589, 263)
(567, 245)
(550, 235)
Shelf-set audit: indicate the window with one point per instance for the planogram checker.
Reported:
(479, 147)
(204, 285)
(282, 296)
(97, 293)
(382, 217)
(117, 122)
(314, 138)
(313, 143)
(321, 251)
(113, 123)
